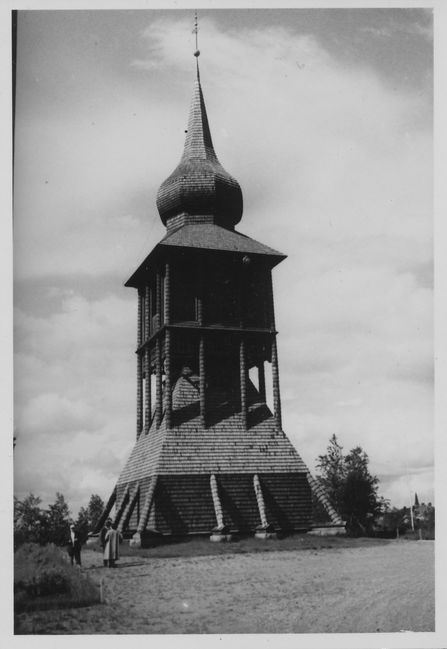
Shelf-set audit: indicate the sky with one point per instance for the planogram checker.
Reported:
(325, 119)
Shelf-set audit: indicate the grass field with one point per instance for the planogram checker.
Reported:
(296, 585)
(202, 547)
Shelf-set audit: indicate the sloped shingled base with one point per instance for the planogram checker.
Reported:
(184, 458)
(183, 503)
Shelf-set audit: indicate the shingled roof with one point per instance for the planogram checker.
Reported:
(206, 236)
(214, 237)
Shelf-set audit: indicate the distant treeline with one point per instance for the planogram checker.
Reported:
(34, 524)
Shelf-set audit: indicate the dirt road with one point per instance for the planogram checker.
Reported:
(382, 588)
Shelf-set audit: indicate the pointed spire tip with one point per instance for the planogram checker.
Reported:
(196, 32)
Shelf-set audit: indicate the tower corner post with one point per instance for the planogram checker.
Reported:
(168, 336)
(261, 380)
(168, 386)
(200, 293)
(202, 381)
(139, 364)
(158, 313)
(243, 382)
(275, 382)
(147, 359)
(274, 357)
(158, 372)
(167, 295)
(158, 385)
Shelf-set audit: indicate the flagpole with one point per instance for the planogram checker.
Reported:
(411, 514)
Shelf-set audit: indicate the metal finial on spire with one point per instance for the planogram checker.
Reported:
(196, 32)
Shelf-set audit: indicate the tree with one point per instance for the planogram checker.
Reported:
(350, 486)
(30, 521)
(333, 472)
(58, 520)
(360, 496)
(83, 523)
(95, 510)
(88, 516)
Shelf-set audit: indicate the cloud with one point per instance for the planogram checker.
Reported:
(401, 489)
(394, 27)
(350, 403)
(50, 414)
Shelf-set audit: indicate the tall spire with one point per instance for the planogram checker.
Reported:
(199, 189)
(198, 141)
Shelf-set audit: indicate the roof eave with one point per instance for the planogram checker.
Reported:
(134, 280)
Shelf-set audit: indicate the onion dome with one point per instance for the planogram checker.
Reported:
(199, 189)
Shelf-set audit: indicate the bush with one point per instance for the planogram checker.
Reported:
(43, 578)
(52, 582)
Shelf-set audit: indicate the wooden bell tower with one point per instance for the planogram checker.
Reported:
(210, 456)
(204, 314)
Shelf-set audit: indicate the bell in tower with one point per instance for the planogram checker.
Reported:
(210, 456)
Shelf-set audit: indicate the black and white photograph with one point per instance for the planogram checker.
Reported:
(224, 322)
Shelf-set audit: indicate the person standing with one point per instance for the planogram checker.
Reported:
(112, 542)
(74, 546)
(102, 538)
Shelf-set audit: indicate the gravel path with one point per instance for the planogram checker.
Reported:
(381, 588)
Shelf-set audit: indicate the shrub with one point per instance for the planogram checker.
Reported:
(43, 578)
(53, 581)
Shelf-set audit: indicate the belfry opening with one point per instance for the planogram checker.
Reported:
(210, 455)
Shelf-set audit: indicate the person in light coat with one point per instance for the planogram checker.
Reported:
(112, 545)
(102, 539)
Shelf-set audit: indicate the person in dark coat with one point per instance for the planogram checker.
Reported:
(74, 546)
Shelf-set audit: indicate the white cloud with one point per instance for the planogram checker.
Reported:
(394, 27)
(50, 414)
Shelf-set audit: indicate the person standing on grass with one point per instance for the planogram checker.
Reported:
(111, 550)
(102, 539)
(74, 546)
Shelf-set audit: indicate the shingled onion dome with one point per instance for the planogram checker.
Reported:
(199, 189)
